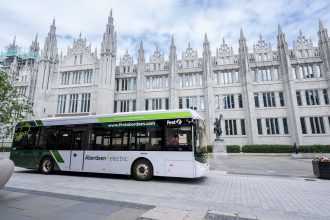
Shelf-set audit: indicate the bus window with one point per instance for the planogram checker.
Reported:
(178, 138)
(100, 138)
(48, 138)
(64, 140)
(27, 139)
(146, 139)
(119, 140)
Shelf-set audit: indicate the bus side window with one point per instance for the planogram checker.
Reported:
(27, 141)
(48, 138)
(64, 140)
(178, 138)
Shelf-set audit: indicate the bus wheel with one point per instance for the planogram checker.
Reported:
(47, 165)
(142, 170)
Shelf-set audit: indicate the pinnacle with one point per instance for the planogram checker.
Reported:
(279, 29)
(141, 45)
(320, 24)
(241, 34)
(205, 38)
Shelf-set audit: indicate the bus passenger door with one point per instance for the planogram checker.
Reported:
(77, 151)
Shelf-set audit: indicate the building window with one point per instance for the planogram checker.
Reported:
(156, 82)
(81, 56)
(326, 96)
(275, 74)
(299, 102)
(253, 76)
(317, 125)
(75, 60)
(146, 104)
(124, 105)
(303, 125)
(127, 84)
(272, 126)
(180, 103)
(227, 77)
(191, 79)
(134, 105)
(243, 127)
(61, 101)
(285, 126)
(240, 101)
(256, 100)
(85, 102)
(282, 103)
(73, 103)
(318, 71)
(117, 84)
(259, 126)
(115, 107)
(193, 102)
(269, 99)
(312, 97)
(230, 126)
(157, 104)
(228, 102)
(217, 102)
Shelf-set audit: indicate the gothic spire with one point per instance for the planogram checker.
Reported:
(50, 46)
(14, 41)
(320, 24)
(281, 42)
(110, 18)
(109, 42)
(205, 38)
(241, 35)
(242, 43)
(206, 47)
(279, 29)
(141, 52)
(34, 48)
(172, 49)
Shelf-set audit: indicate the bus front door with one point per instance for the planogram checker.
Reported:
(77, 151)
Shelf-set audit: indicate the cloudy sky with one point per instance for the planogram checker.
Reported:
(155, 21)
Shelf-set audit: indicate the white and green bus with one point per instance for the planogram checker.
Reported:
(143, 144)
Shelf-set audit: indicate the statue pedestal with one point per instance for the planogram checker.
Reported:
(219, 149)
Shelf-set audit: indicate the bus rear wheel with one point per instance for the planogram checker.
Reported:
(47, 165)
(142, 170)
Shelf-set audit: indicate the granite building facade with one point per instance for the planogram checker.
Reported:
(266, 95)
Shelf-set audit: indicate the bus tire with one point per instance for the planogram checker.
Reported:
(47, 165)
(142, 170)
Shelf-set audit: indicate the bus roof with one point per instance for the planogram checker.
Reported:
(119, 117)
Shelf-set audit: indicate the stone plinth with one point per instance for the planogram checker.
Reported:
(219, 149)
(6, 170)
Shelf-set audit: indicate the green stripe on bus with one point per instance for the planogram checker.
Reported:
(145, 117)
(57, 156)
(39, 123)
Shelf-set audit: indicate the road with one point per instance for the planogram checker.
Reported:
(262, 197)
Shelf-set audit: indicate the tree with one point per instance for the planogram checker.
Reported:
(13, 107)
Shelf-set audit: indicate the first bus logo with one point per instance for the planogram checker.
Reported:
(174, 122)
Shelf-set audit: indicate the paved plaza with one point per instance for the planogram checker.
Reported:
(222, 193)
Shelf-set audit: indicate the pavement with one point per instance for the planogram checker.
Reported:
(235, 188)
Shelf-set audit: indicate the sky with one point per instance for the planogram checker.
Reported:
(155, 22)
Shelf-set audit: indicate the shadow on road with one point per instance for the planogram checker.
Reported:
(177, 180)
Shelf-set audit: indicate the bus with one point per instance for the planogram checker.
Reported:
(143, 144)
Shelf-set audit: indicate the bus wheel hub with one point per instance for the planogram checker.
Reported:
(142, 170)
